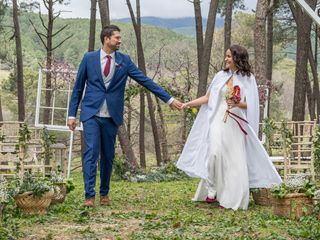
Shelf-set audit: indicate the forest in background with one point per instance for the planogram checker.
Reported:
(170, 58)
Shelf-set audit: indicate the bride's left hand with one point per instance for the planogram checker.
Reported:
(184, 106)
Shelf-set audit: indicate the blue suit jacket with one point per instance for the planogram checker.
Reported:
(89, 74)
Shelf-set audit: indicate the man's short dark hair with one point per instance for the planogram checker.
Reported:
(107, 31)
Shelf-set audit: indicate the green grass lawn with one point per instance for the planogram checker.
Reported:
(153, 211)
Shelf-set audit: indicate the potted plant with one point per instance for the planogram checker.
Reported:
(261, 196)
(4, 195)
(293, 198)
(63, 186)
(57, 179)
(32, 193)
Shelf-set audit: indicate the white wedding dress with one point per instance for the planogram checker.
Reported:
(228, 161)
(227, 166)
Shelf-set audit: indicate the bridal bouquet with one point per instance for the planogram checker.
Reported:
(234, 95)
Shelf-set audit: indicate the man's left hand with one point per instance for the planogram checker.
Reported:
(176, 105)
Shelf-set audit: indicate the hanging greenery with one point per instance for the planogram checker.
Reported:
(24, 137)
(316, 153)
(287, 137)
(269, 127)
(47, 139)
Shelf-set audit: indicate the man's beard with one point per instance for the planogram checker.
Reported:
(115, 47)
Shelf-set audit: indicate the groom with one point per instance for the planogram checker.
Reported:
(103, 75)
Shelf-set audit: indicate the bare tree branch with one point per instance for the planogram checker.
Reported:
(39, 35)
(61, 29)
(159, 61)
(42, 22)
(45, 4)
(56, 16)
(54, 48)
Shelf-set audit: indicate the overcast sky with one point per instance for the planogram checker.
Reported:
(157, 8)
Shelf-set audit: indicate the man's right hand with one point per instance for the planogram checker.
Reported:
(72, 124)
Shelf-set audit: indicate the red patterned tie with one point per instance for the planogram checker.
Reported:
(106, 70)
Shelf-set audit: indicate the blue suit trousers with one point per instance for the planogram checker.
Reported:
(99, 139)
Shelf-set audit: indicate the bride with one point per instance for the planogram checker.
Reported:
(223, 148)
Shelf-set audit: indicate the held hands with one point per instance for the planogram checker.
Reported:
(184, 106)
(179, 105)
(176, 104)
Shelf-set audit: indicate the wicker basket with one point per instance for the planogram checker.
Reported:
(293, 205)
(33, 205)
(262, 197)
(59, 197)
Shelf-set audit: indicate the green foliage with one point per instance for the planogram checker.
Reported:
(284, 28)
(190, 114)
(171, 43)
(153, 210)
(2, 137)
(10, 85)
(237, 4)
(29, 182)
(122, 170)
(316, 153)
(8, 232)
(74, 49)
(24, 135)
(167, 172)
(281, 190)
(132, 91)
(57, 178)
(70, 185)
(268, 129)
(243, 22)
(3, 5)
(9, 91)
(47, 139)
(309, 188)
(277, 110)
(4, 191)
(171, 90)
(309, 228)
(286, 136)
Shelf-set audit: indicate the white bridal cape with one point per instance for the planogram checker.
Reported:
(206, 134)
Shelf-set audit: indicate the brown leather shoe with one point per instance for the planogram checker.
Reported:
(89, 202)
(105, 201)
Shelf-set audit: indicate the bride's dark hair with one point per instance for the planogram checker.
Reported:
(240, 58)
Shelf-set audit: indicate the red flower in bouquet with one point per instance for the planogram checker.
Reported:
(234, 95)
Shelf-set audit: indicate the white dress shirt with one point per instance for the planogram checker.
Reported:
(103, 112)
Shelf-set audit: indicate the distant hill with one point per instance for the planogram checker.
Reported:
(72, 51)
(185, 26)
